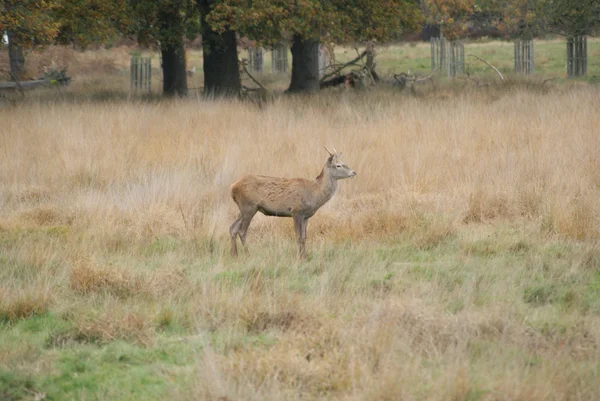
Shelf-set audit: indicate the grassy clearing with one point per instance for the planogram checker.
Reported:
(107, 71)
(462, 263)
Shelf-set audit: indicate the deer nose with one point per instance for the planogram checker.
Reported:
(353, 173)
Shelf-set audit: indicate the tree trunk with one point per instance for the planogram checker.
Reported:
(220, 58)
(305, 65)
(174, 72)
(17, 59)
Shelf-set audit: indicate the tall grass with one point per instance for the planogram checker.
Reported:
(152, 169)
(461, 263)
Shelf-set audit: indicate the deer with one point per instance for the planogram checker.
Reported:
(297, 198)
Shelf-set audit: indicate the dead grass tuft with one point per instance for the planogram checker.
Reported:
(576, 218)
(484, 206)
(85, 279)
(259, 321)
(42, 216)
(164, 281)
(115, 323)
(23, 304)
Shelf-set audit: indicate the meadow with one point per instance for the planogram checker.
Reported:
(462, 263)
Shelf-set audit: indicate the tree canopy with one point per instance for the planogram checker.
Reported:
(268, 21)
(450, 15)
(570, 17)
(30, 22)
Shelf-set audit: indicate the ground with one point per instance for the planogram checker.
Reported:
(462, 263)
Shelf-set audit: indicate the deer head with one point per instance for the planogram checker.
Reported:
(336, 167)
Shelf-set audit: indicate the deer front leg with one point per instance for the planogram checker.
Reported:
(304, 224)
(299, 226)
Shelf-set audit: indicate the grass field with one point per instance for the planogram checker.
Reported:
(462, 263)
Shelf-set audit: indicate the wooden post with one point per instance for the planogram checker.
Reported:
(524, 57)
(140, 73)
(584, 56)
(148, 75)
(255, 59)
(432, 45)
(569, 57)
(577, 56)
(279, 58)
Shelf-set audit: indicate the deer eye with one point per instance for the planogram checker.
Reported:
(338, 166)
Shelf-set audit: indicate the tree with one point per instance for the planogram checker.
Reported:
(450, 15)
(82, 22)
(219, 46)
(27, 23)
(165, 24)
(309, 22)
(570, 17)
(31, 23)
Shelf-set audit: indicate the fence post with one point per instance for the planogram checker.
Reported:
(279, 59)
(577, 56)
(569, 57)
(140, 73)
(524, 57)
(255, 59)
(432, 47)
(584, 56)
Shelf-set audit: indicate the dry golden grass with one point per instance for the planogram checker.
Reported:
(462, 263)
(468, 159)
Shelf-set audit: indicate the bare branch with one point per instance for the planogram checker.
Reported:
(494, 68)
(337, 70)
(243, 63)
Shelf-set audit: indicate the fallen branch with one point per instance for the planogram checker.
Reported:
(403, 78)
(21, 86)
(243, 63)
(370, 70)
(350, 78)
(337, 70)
(494, 68)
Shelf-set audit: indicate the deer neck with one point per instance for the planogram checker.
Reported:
(326, 187)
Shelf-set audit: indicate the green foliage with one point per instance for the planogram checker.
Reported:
(268, 21)
(571, 17)
(451, 15)
(90, 21)
(164, 22)
(29, 22)
(14, 387)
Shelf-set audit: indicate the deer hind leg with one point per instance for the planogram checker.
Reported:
(233, 233)
(300, 227)
(246, 218)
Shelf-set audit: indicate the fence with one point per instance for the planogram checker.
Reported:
(141, 73)
(524, 57)
(577, 56)
(448, 56)
(279, 58)
(255, 59)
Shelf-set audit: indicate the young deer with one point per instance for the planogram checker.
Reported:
(296, 197)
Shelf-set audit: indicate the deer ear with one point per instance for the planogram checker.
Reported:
(330, 159)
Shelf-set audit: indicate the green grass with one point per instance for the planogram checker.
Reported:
(415, 57)
(550, 58)
(527, 274)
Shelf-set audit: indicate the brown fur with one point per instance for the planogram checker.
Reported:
(285, 197)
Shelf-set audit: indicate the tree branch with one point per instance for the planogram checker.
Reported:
(494, 68)
(243, 64)
(337, 70)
